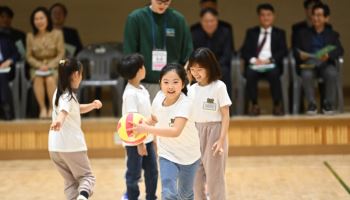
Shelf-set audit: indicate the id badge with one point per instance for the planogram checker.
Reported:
(159, 59)
(209, 105)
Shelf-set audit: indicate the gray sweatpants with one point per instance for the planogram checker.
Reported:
(211, 170)
(76, 171)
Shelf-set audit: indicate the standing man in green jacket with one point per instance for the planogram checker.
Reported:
(161, 35)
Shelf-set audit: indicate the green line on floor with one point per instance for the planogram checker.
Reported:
(337, 176)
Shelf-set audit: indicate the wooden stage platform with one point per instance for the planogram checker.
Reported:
(264, 135)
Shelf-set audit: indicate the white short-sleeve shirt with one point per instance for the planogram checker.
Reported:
(137, 100)
(70, 137)
(207, 101)
(184, 149)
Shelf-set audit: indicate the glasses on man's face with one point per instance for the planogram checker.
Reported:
(165, 3)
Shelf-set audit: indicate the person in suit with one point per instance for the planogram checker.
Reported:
(264, 44)
(17, 36)
(59, 13)
(306, 23)
(213, 4)
(217, 39)
(311, 40)
(8, 57)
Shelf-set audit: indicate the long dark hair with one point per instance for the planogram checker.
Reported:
(48, 18)
(66, 68)
(180, 71)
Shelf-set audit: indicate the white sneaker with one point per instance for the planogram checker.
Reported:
(81, 197)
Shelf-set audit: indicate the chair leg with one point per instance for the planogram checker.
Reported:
(285, 85)
(340, 97)
(296, 96)
(117, 100)
(240, 98)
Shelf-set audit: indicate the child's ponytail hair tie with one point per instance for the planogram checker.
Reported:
(62, 62)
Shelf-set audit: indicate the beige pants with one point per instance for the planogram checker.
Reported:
(76, 171)
(211, 170)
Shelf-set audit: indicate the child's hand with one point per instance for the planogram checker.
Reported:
(138, 128)
(142, 150)
(152, 120)
(97, 104)
(324, 58)
(218, 147)
(56, 125)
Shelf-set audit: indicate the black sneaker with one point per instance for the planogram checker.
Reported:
(311, 109)
(327, 109)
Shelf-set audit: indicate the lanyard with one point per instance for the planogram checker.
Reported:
(154, 31)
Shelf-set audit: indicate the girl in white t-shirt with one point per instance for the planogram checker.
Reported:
(211, 114)
(67, 145)
(178, 142)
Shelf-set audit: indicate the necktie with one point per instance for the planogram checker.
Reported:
(260, 46)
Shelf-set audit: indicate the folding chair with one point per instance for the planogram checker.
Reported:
(297, 85)
(101, 59)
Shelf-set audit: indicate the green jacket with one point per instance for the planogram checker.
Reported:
(138, 37)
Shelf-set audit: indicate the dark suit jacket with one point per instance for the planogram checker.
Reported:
(71, 36)
(197, 27)
(219, 43)
(300, 26)
(278, 45)
(304, 43)
(8, 51)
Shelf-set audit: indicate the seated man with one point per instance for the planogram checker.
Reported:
(8, 56)
(71, 36)
(264, 47)
(316, 49)
(213, 4)
(306, 23)
(218, 39)
(17, 36)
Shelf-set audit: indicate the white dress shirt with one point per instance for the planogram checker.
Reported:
(265, 53)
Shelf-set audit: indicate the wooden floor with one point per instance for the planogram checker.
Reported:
(248, 178)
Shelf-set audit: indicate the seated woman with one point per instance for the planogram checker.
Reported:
(45, 47)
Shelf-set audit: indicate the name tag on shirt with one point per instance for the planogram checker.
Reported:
(159, 59)
(172, 121)
(209, 105)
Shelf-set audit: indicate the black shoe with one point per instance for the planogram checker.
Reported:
(7, 112)
(311, 109)
(278, 110)
(327, 109)
(254, 110)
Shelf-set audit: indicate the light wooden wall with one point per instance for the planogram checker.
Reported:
(247, 136)
(102, 21)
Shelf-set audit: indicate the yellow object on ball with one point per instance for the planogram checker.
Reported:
(127, 122)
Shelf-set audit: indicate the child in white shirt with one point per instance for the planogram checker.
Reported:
(136, 99)
(211, 113)
(178, 142)
(67, 145)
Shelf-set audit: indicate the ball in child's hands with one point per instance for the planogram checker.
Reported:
(125, 124)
